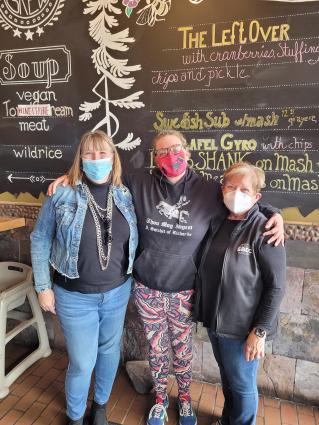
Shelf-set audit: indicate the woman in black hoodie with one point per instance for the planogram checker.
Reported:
(174, 208)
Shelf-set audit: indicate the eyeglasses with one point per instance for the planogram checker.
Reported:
(165, 151)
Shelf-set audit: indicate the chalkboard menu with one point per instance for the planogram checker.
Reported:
(239, 79)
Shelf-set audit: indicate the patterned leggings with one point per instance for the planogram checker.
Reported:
(167, 322)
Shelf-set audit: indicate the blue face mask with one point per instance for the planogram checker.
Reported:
(97, 169)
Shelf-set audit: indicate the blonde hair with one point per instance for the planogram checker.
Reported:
(98, 140)
(257, 174)
(175, 133)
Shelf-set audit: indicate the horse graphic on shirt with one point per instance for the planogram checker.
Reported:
(174, 211)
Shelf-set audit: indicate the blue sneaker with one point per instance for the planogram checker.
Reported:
(187, 415)
(158, 413)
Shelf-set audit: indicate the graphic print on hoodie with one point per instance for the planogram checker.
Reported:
(174, 211)
(173, 220)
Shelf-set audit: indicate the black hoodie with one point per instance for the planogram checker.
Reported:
(173, 220)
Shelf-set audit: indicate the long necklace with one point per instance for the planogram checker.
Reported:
(103, 215)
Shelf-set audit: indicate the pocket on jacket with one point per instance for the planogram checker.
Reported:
(65, 214)
(165, 271)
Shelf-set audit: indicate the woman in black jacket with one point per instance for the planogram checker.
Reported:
(241, 285)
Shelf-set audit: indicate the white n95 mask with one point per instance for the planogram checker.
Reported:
(238, 202)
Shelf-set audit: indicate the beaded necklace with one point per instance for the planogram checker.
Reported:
(103, 215)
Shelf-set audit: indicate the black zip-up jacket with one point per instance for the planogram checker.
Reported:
(251, 285)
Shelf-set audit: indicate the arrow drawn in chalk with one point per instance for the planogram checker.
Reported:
(32, 178)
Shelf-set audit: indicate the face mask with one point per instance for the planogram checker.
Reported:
(97, 169)
(172, 164)
(238, 202)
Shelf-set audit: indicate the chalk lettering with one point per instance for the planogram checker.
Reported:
(37, 96)
(242, 33)
(193, 39)
(196, 57)
(37, 153)
(34, 126)
(216, 161)
(259, 121)
(293, 184)
(299, 165)
(227, 142)
(203, 144)
(226, 72)
(191, 121)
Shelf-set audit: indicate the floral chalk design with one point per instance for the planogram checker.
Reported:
(130, 5)
(149, 14)
(112, 70)
(154, 11)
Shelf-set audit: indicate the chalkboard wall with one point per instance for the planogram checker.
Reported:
(239, 79)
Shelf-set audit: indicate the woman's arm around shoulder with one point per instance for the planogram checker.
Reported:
(275, 224)
(60, 181)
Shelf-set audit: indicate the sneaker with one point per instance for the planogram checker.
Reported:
(158, 413)
(187, 415)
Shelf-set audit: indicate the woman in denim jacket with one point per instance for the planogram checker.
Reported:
(87, 233)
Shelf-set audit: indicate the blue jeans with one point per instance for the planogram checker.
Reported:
(239, 380)
(92, 325)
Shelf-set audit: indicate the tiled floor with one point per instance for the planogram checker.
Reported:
(37, 398)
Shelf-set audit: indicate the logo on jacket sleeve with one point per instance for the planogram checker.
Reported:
(245, 249)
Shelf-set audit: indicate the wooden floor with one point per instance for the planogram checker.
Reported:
(37, 398)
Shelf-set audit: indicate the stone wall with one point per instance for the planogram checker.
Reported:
(291, 367)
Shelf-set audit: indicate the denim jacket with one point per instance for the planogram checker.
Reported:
(57, 234)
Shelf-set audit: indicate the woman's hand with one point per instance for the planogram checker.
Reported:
(47, 300)
(254, 347)
(63, 181)
(276, 229)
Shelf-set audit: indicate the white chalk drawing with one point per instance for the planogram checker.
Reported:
(32, 178)
(154, 11)
(174, 211)
(112, 70)
(29, 17)
(35, 65)
(195, 1)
